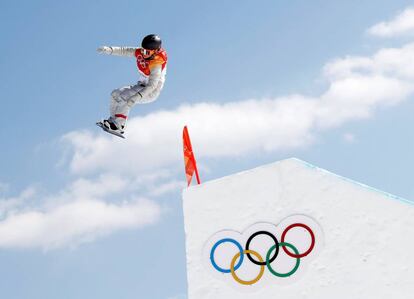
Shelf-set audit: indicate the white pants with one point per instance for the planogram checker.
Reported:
(119, 109)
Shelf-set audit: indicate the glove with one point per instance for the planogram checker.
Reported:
(104, 50)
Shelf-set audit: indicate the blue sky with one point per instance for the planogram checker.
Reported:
(83, 215)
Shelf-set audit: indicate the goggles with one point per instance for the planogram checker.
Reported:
(147, 53)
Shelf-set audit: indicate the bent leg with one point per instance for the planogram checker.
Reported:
(119, 108)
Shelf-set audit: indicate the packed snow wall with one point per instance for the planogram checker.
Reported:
(292, 230)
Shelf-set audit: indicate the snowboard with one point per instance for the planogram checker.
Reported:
(101, 125)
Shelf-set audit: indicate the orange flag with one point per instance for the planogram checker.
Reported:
(189, 159)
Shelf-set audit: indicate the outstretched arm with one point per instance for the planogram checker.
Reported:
(117, 51)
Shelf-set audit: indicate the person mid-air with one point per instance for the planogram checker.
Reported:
(152, 65)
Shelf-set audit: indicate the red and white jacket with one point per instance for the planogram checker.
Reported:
(152, 72)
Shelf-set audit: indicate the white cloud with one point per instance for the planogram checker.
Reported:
(154, 141)
(8, 205)
(402, 24)
(73, 223)
(168, 187)
(357, 87)
(394, 63)
(83, 211)
(104, 185)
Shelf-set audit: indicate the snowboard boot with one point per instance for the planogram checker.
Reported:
(113, 126)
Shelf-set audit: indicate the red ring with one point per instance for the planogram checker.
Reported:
(310, 248)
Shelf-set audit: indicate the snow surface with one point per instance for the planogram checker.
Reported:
(365, 241)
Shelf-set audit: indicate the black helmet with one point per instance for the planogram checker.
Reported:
(151, 42)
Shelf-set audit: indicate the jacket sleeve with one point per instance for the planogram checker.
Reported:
(123, 51)
(149, 93)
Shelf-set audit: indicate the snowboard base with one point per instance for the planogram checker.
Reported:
(101, 125)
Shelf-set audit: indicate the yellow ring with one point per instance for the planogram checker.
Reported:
(246, 282)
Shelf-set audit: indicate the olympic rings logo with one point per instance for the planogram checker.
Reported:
(293, 240)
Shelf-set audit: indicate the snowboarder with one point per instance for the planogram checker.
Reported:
(151, 62)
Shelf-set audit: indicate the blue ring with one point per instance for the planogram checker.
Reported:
(213, 250)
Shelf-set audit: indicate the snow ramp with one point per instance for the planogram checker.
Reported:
(292, 230)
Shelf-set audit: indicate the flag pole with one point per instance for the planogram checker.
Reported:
(196, 170)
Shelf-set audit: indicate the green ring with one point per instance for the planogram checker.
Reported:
(282, 274)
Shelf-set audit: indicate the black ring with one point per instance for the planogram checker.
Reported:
(262, 232)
